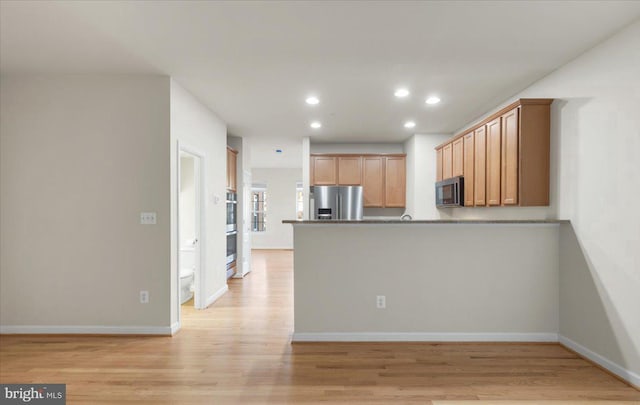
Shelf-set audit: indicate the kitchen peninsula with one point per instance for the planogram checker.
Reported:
(433, 280)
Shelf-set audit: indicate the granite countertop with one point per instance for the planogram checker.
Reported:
(429, 221)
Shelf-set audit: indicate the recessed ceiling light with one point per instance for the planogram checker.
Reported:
(400, 93)
(312, 100)
(433, 100)
(409, 124)
(315, 125)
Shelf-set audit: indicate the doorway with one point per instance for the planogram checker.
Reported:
(190, 234)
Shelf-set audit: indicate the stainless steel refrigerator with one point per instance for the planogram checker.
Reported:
(338, 202)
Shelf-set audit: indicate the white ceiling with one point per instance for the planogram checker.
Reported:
(253, 63)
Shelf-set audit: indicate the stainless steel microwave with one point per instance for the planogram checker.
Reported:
(450, 192)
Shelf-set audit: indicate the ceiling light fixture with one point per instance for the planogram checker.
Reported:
(401, 93)
(315, 125)
(433, 100)
(409, 124)
(312, 100)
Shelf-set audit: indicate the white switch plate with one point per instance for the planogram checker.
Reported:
(147, 218)
(144, 297)
(381, 302)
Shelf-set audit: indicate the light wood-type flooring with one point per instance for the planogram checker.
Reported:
(238, 351)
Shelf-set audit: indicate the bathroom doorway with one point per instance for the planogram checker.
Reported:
(189, 229)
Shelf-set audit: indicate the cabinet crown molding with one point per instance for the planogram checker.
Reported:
(497, 114)
(359, 154)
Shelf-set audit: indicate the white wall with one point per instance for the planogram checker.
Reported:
(421, 175)
(281, 205)
(306, 175)
(433, 290)
(81, 157)
(595, 182)
(195, 126)
(187, 200)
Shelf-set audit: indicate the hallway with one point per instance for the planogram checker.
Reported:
(238, 351)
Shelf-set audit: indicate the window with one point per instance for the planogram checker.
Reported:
(259, 208)
(299, 201)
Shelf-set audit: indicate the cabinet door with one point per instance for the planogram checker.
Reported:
(373, 181)
(228, 169)
(232, 158)
(349, 170)
(493, 162)
(468, 169)
(458, 157)
(439, 164)
(323, 171)
(509, 185)
(480, 166)
(394, 181)
(447, 161)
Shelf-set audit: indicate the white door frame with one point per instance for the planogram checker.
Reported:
(199, 299)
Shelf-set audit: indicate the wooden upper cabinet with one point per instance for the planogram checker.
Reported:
(373, 181)
(468, 170)
(458, 157)
(439, 164)
(324, 170)
(349, 170)
(383, 177)
(447, 161)
(510, 150)
(509, 172)
(494, 167)
(534, 148)
(480, 167)
(395, 181)
(232, 159)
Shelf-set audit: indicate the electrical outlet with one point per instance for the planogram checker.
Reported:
(144, 297)
(147, 218)
(381, 302)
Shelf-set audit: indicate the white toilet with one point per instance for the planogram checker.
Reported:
(186, 285)
(187, 274)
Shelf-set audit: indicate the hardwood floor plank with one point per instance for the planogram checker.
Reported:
(239, 351)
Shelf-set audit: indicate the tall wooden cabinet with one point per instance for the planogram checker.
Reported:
(373, 181)
(468, 168)
(504, 159)
(439, 164)
(480, 167)
(394, 181)
(493, 162)
(509, 158)
(457, 162)
(232, 159)
(383, 177)
(447, 161)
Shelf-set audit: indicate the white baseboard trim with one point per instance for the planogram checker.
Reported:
(238, 275)
(423, 337)
(615, 368)
(213, 298)
(85, 330)
(175, 328)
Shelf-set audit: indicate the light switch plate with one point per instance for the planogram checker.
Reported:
(147, 218)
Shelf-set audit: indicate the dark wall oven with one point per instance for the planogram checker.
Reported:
(232, 211)
(232, 233)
